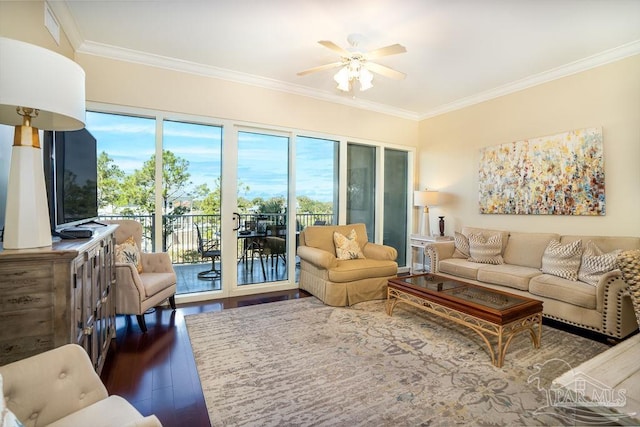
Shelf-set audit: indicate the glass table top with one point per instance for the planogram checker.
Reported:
(452, 289)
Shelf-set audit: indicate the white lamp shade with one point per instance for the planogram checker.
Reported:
(425, 198)
(34, 77)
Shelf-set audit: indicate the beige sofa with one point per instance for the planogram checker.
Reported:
(60, 388)
(605, 308)
(344, 282)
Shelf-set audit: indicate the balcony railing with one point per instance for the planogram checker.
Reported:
(180, 239)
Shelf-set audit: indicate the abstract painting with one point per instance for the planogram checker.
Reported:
(560, 174)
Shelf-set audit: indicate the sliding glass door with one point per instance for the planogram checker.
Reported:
(262, 201)
(228, 202)
(361, 186)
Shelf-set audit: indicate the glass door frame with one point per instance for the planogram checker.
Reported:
(229, 204)
(230, 129)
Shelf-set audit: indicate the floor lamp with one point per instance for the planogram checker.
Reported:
(39, 89)
(425, 199)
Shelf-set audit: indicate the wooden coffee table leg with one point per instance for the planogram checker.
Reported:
(533, 324)
(392, 300)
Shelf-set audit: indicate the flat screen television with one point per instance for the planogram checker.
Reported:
(71, 173)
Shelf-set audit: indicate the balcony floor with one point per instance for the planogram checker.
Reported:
(188, 281)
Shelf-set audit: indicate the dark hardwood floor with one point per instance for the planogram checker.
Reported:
(156, 371)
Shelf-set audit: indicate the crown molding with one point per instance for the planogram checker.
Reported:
(575, 67)
(61, 10)
(132, 56)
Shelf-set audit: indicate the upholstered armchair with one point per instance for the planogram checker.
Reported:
(60, 388)
(343, 282)
(145, 281)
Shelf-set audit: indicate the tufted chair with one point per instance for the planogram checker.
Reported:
(344, 282)
(138, 292)
(59, 388)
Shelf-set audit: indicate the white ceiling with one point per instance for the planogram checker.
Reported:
(458, 51)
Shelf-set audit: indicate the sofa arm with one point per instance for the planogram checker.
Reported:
(150, 421)
(613, 300)
(318, 257)
(156, 262)
(437, 251)
(129, 287)
(46, 387)
(381, 252)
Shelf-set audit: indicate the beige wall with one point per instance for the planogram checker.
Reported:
(607, 96)
(122, 83)
(24, 20)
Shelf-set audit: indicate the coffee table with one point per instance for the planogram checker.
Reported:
(493, 314)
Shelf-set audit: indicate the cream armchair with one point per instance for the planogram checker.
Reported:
(138, 292)
(59, 388)
(344, 282)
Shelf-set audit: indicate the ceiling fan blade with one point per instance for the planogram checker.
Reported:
(334, 47)
(393, 49)
(385, 71)
(320, 68)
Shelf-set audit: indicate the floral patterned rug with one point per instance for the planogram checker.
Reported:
(302, 363)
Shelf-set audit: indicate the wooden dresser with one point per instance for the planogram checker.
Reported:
(58, 295)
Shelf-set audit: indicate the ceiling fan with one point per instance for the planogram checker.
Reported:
(356, 64)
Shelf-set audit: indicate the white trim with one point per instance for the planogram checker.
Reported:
(575, 67)
(61, 10)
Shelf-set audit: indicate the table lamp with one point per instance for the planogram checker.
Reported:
(39, 89)
(425, 199)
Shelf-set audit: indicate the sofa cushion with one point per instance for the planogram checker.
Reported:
(485, 250)
(459, 267)
(357, 269)
(486, 232)
(562, 260)
(569, 291)
(596, 263)
(112, 411)
(606, 243)
(321, 236)
(512, 276)
(461, 243)
(128, 253)
(526, 249)
(347, 247)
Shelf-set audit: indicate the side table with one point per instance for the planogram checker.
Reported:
(419, 257)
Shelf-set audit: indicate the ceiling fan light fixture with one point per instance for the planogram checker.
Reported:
(365, 78)
(343, 77)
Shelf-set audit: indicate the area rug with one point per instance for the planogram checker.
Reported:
(302, 363)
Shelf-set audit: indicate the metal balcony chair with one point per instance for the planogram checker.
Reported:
(209, 249)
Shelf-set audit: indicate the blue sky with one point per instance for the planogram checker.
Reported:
(262, 162)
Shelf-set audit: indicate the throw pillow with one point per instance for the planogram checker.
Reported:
(485, 251)
(127, 253)
(461, 243)
(347, 247)
(595, 263)
(7, 418)
(562, 260)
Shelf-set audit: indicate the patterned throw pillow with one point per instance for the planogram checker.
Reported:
(485, 251)
(562, 260)
(595, 263)
(7, 418)
(461, 243)
(127, 253)
(347, 247)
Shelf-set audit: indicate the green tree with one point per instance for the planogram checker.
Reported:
(110, 179)
(138, 188)
(308, 205)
